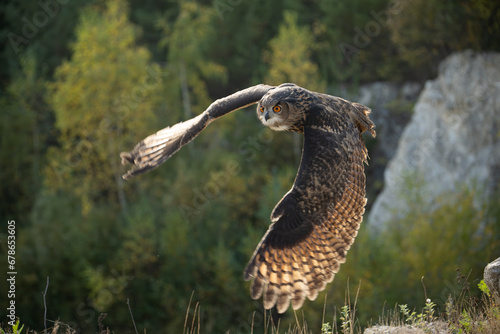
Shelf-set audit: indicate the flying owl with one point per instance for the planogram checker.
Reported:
(315, 223)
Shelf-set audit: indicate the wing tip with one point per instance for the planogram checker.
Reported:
(127, 176)
(127, 157)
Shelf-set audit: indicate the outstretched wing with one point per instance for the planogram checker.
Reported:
(316, 222)
(157, 148)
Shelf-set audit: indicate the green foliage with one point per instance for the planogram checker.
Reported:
(484, 288)
(475, 21)
(353, 42)
(326, 328)
(467, 313)
(22, 157)
(95, 119)
(419, 319)
(345, 318)
(465, 322)
(290, 54)
(15, 328)
(188, 40)
(435, 18)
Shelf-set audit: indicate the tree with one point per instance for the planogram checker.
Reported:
(188, 40)
(103, 100)
(453, 25)
(289, 57)
(353, 42)
(100, 97)
(26, 128)
(416, 21)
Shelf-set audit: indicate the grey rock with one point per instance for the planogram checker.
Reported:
(492, 279)
(393, 330)
(392, 107)
(452, 140)
(437, 327)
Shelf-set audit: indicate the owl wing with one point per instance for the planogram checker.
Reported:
(157, 148)
(315, 223)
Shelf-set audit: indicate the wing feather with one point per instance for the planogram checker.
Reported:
(157, 148)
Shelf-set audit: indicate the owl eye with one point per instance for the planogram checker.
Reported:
(262, 109)
(277, 109)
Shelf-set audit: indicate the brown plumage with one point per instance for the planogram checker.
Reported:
(315, 223)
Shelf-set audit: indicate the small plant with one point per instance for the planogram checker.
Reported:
(484, 288)
(409, 317)
(465, 322)
(467, 315)
(429, 310)
(326, 329)
(451, 310)
(345, 317)
(421, 319)
(15, 328)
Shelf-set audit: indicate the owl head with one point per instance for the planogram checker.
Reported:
(283, 108)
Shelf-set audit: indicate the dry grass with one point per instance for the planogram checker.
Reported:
(464, 314)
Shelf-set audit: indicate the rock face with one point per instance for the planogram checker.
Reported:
(452, 140)
(392, 106)
(492, 279)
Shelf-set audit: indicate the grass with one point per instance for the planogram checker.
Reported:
(463, 314)
(471, 315)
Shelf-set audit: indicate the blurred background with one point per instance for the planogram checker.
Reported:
(83, 80)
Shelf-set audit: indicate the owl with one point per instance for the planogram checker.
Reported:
(315, 223)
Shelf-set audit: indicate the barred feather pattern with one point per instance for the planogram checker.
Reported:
(289, 275)
(157, 148)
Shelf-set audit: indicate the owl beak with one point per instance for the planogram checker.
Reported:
(266, 115)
